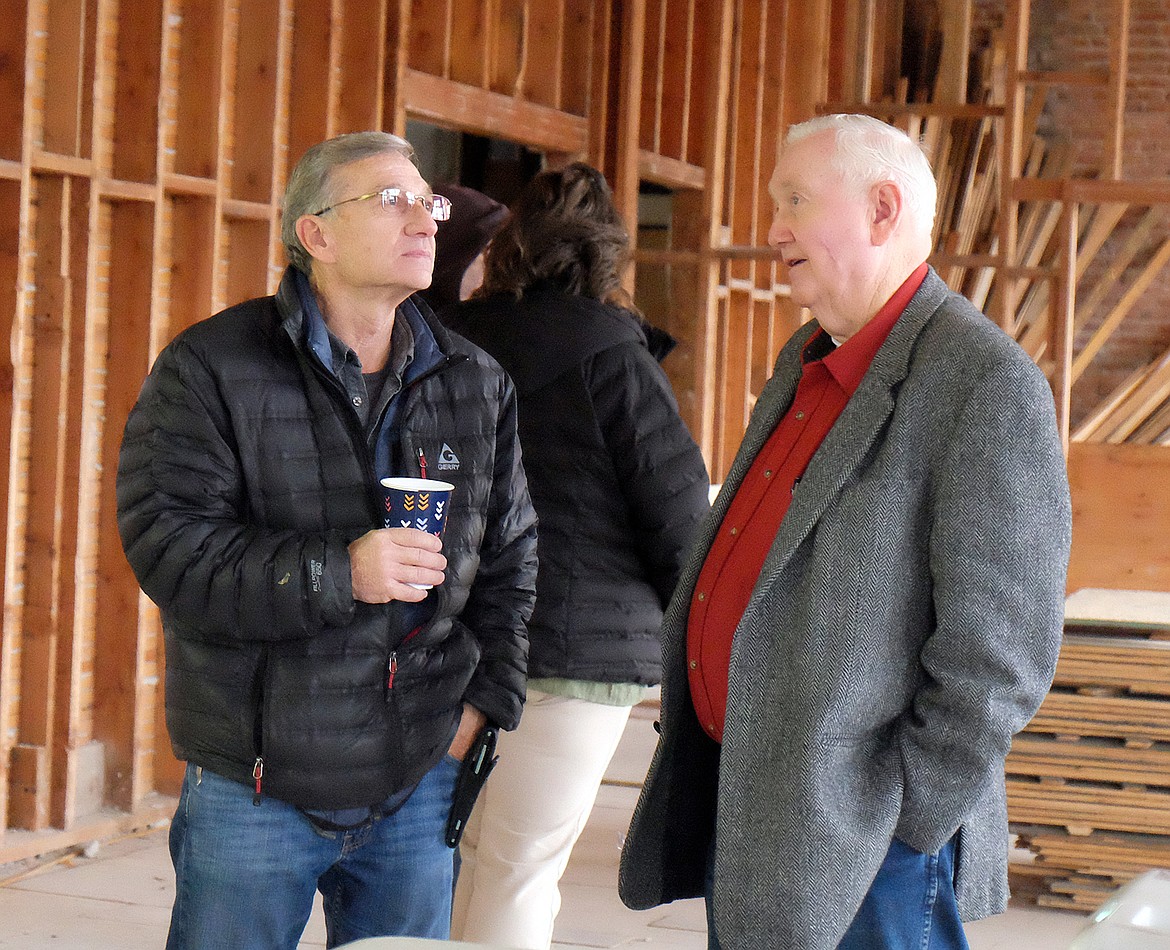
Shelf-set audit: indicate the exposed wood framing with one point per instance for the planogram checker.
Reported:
(142, 183)
(144, 190)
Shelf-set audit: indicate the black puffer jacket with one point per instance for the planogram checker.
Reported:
(243, 477)
(617, 481)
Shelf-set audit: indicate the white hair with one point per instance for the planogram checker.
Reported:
(869, 151)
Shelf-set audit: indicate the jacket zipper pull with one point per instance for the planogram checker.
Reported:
(391, 669)
(257, 774)
(422, 463)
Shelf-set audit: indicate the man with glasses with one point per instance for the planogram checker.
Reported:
(326, 675)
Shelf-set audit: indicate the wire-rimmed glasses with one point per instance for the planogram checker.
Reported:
(396, 199)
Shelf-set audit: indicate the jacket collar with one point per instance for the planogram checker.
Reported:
(303, 322)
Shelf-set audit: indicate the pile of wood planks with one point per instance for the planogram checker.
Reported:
(1089, 779)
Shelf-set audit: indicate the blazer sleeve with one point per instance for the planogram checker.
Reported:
(998, 555)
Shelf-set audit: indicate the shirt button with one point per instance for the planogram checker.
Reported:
(800, 415)
(710, 727)
(702, 596)
(694, 665)
(734, 532)
(357, 400)
(767, 473)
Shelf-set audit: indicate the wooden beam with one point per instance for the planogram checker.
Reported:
(469, 29)
(189, 185)
(1070, 77)
(1118, 78)
(1108, 282)
(460, 106)
(30, 784)
(717, 24)
(1011, 154)
(585, 50)
(398, 49)
(544, 50)
(653, 79)
(1092, 190)
(192, 131)
(1064, 299)
(651, 255)
(360, 50)
(595, 89)
(951, 84)
(117, 190)
(64, 164)
(670, 172)
(630, 71)
(1144, 401)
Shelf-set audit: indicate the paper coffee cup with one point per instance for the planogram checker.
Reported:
(420, 503)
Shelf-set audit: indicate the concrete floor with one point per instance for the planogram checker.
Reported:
(119, 899)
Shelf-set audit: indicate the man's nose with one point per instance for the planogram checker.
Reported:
(779, 233)
(421, 221)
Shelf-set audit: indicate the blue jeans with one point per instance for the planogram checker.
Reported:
(245, 875)
(910, 904)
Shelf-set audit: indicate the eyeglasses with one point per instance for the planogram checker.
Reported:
(436, 206)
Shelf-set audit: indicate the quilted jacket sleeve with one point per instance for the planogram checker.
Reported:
(184, 527)
(659, 466)
(503, 593)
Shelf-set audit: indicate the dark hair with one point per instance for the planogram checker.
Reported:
(564, 230)
(475, 219)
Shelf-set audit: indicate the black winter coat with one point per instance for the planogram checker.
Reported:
(243, 477)
(617, 481)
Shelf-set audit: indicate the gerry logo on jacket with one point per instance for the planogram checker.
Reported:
(448, 460)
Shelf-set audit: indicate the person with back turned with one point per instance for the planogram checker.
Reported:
(619, 486)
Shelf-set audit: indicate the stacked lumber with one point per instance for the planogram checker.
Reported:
(1088, 780)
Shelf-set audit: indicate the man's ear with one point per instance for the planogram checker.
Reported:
(316, 238)
(886, 211)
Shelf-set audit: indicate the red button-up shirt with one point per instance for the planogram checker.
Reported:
(829, 378)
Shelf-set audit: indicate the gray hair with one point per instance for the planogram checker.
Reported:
(868, 151)
(310, 186)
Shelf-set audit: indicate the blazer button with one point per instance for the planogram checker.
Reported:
(357, 400)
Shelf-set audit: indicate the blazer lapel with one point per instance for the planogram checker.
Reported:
(838, 457)
(769, 409)
(855, 431)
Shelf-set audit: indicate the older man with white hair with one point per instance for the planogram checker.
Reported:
(874, 606)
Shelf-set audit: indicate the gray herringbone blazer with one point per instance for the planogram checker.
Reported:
(905, 625)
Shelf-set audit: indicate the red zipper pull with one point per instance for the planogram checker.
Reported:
(422, 463)
(391, 669)
(257, 774)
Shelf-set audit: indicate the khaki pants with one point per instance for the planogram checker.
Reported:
(528, 818)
